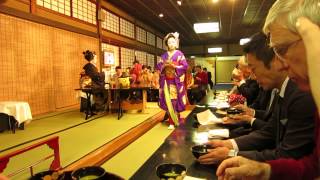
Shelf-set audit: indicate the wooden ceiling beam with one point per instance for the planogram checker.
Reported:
(182, 30)
(155, 14)
(191, 9)
(231, 19)
(184, 18)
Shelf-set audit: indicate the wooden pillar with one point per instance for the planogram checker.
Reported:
(99, 31)
(33, 5)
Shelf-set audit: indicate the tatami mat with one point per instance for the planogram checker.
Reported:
(74, 142)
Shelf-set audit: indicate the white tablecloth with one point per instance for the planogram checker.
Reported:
(20, 110)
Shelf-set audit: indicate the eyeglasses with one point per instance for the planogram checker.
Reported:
(281, 50)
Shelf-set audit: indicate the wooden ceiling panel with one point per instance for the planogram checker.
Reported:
(238, 18)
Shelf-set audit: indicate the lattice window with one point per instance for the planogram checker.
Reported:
(150, 60)
(141, 57)
(141, 34)
(126, 28)
(84, 10)
(159, 42)
(127, 57)
(60, 6)
(111, 22)
(151, 39)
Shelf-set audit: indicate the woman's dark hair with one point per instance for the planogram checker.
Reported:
(144, 67)
(258, 46)
(118, 67)
(169, 36)
(88, 55)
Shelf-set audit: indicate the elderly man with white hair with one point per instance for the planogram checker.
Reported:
(293, 26)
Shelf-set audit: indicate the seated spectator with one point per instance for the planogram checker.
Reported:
(135, 72)
(145, 78)
(117, 75)
(261, 59)
(289, 132)
(236, 77)
(284, 26)
(247, 87)
(201, 80)
(155, 79)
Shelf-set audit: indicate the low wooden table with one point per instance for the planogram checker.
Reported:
(88, 110)
(127, 106)
(177, 149)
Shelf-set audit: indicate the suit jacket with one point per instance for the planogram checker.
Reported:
(209, 76)
(262, 115)
(303, 168)
(249, 90)
(260, 104)
(289, 132)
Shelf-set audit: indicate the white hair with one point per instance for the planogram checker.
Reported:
(290, 11)
(243, 61)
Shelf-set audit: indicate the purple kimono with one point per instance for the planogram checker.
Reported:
(175, 83)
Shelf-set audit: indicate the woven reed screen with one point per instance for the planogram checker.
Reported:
(40, 64)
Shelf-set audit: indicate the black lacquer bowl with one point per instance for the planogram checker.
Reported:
(232, 111)
(166, 171)
(199, 150)
(88, 173)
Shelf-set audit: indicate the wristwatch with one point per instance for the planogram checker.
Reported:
(232, 153)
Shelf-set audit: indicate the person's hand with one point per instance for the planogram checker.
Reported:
(214, 156)
(237, 118)
(220, 143)
(228, 120)
(310, 34)
(242, 168)
(246, 110)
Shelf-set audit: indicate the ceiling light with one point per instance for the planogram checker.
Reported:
(161, 15)
(206, 27)
(244, 41)
(179, 3)
(215, 50)
(215, 1)
(192, 57)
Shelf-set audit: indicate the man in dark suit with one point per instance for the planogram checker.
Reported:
(259, 112)
(289, 132)
(210, 82)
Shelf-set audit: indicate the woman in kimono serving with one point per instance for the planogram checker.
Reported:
(172, 91)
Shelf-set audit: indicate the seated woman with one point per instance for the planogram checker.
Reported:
(97, 78)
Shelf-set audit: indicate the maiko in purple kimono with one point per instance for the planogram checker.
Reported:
(178, 65)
